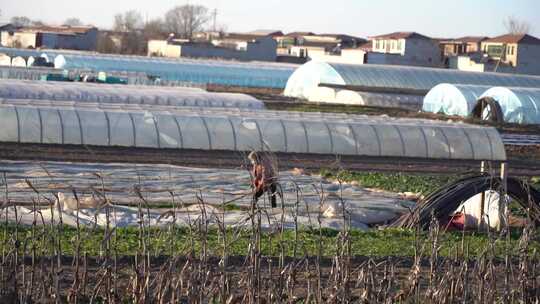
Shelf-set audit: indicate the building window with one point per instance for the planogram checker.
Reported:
(399, 45)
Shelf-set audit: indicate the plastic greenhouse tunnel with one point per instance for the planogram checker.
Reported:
(49, 122)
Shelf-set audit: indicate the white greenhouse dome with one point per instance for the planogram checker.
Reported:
(47, 122)
(515, 105)
(453, 99)
(18, 61)
(5, 60)
(107, 93)
(323, 82)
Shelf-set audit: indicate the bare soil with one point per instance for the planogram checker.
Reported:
(520, 161)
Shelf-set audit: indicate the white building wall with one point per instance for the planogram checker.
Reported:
(162, 49)
(347, 56)
(22, 40)
(464, 63)
(305, 51)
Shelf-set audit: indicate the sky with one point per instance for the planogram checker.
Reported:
(364, 18)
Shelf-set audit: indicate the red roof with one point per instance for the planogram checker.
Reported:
(401, 35)
(515, 38)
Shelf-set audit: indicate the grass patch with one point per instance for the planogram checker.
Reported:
(373, 243)
(395, 182)
(535, 182)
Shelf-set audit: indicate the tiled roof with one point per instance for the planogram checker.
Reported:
(515, 38)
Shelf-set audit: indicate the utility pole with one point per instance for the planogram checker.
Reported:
(214, 17)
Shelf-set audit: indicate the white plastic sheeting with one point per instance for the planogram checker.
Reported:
(341, 96)
(307, 78)
(518, 105)
(453, 99)
(5, 60)
(18, 61)
(30, 61)
(244, 130)
(157, 182)
(492, 213)
(106, 93)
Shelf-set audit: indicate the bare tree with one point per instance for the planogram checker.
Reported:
(128, 22)
(186, 19)
(516, 26)
(154, 29)
(106, 44)
(73, 22)
(21, 21)
(38, 23)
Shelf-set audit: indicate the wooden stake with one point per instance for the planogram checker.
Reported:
(502, 197)
(481, 222)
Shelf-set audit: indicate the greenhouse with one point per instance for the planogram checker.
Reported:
(345, 96)
(243, 130)
(106, 93)
(453, 99)
(188, 70)
(512, 105)
(306, 80)
(14, 52)
(203, 71)
(26, 73)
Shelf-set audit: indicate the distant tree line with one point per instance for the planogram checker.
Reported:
(131, 32)
(23, 21)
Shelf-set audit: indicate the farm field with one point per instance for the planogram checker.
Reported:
(208, 260)
(143, 191)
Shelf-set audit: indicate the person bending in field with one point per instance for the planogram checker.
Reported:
(264, 177)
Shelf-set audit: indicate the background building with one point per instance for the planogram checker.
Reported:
(51, 37)
(520, 53)
(404, 48)
(243, 47)
(308, 45)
